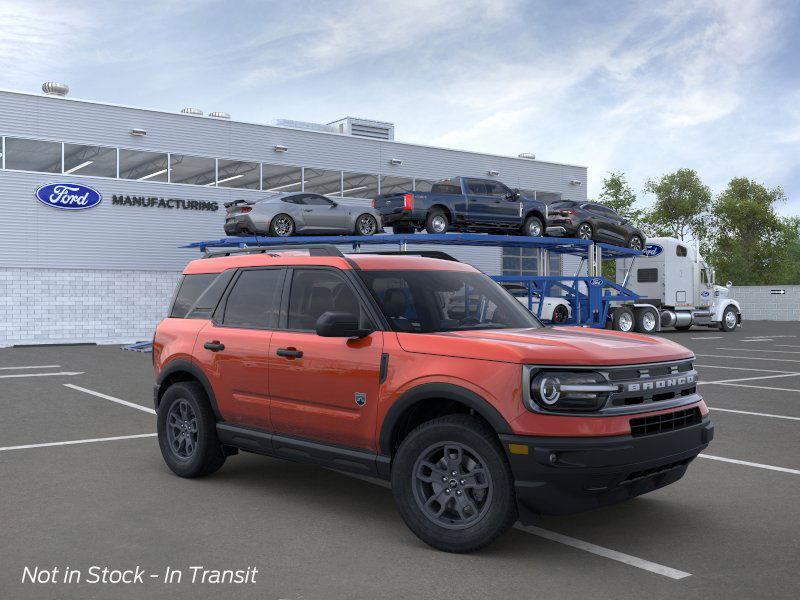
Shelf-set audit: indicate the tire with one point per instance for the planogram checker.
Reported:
(635, 242)
(623, 320)
(436, 222)
(533, 227)
(366, 225)
(646, 321)
(403, 229)
(282, 225)
(490, 493)
(560, 314)
(729, 320)
(203, 454)
(584, 232)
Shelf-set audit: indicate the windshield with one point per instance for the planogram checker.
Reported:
(437, 301)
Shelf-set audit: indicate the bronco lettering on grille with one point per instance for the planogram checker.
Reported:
(660, 384)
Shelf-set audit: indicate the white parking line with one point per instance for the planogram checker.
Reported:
(742, 368)
(721, 381)
(708, 337)
(73, 442)
(146, 409)
(786, 346)
(15, 375)
(758, 387)
(751, 464)
(604, 552)
(755, 414)
(792, 360)
(758, 340)
(756, 350)
(568, 541)
(31, 367)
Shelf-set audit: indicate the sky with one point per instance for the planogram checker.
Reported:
(639, 87)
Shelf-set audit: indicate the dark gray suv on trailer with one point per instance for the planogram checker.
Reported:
(286, 214)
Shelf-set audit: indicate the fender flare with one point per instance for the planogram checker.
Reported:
(431, 391)
(724, 305)
(184, 366)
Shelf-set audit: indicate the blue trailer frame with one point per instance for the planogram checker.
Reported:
(589, 296)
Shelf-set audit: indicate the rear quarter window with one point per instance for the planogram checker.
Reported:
(197, 295)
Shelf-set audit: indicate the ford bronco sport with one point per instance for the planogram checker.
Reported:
(424, 372)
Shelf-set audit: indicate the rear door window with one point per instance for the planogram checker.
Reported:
(477, 187)
(254, 300)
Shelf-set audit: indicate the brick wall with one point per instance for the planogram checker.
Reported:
(50, 306)
(759, 304)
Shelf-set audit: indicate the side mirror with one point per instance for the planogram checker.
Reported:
(340, 324)
(334, 204)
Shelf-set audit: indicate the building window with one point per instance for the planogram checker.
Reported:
(396, 185)
(237, 174)
(33, 155)
(280, 178)
(321, 181)
(96, 161)
(194, 170)
(359, 185)
(143, 166)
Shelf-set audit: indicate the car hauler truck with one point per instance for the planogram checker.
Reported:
(676, 289)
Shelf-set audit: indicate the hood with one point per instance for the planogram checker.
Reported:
(547, 346)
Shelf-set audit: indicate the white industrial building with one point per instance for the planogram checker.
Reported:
(107, 273)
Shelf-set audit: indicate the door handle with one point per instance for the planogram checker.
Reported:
(290, 352)
(308, 210)
(214, 346)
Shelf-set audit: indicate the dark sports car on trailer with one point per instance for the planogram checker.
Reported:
(593, 221)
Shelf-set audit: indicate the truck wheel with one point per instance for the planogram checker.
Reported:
(645, 321)
(623, 320)
(436, 222)
(533, 227)
(560, 314)
(187, 431)
(729, 319)
(452, 484)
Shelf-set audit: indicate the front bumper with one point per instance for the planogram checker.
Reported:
(568, 475)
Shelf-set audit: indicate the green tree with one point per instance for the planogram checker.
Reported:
(749, 243)
(681, 205)
(618, 195)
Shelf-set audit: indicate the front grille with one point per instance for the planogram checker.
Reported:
(645, 384)
(665, 422)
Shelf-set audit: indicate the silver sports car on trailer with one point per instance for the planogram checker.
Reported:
(301, 213)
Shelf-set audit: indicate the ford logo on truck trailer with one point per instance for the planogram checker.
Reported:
(652, 250)
(68, 196)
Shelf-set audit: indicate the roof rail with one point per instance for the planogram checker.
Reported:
(424, 253)
(313, 250)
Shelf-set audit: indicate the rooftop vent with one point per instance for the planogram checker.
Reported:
(219, 115)
(303, 125)
(377, 130)
(192, 111)
(527, 155)
(51, 88)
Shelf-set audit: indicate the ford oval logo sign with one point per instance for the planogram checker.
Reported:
(705, 294)
(596, 282)
(68, 196)
(652, 250)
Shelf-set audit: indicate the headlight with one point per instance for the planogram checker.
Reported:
(570, 390)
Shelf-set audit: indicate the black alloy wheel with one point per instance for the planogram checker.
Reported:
(584, 231)
(281, 226)
(635, 243)
(366, 225)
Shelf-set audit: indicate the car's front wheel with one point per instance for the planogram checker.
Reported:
(452, 484)
(187, 431)
(366, 225)
(635, 243)
(584, 231)
(729, 319)
(560, 314)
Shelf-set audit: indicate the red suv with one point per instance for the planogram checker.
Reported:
(424, 372)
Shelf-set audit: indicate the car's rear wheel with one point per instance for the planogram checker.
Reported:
(281, 226)
(533, 227)
(560, 314)
(635, 242)
(366, 225)
(437, 222)
(187, 431)
(452, 484)
(584, 231)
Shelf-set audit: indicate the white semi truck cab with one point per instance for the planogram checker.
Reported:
(676, 289)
